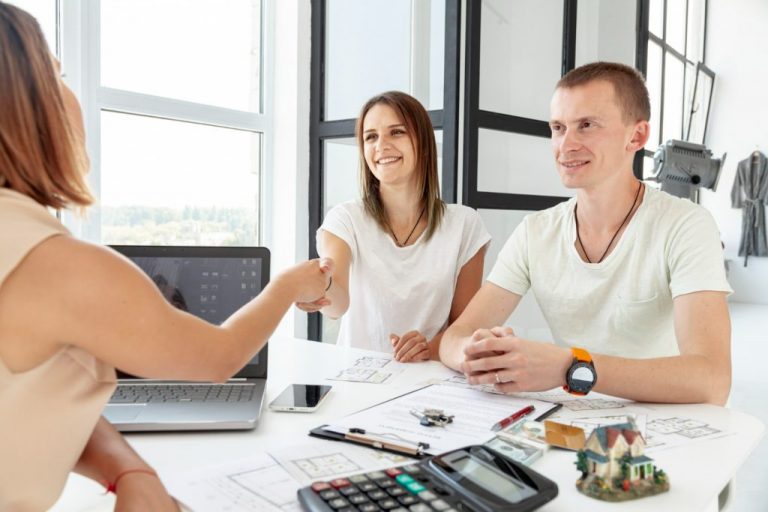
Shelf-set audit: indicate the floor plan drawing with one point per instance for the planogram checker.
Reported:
(321, 467)
(372, 362)
(689, 428)
(256, 483)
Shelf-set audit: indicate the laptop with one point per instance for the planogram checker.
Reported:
(210, 283)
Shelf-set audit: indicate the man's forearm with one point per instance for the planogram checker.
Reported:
(451, 349)
(680, 379)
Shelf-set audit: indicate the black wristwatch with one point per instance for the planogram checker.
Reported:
(581, 376)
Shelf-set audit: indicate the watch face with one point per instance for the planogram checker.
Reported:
(581, 377)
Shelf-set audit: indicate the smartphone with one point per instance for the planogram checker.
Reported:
(300, 398)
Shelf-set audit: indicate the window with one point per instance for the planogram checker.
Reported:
(510, 45)
(676, 55)
(178, 120)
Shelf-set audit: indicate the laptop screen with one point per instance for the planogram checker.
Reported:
(208, 282)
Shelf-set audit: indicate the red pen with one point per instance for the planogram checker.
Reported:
(513, 418)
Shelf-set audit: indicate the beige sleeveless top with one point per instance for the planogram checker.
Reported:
(46, 413)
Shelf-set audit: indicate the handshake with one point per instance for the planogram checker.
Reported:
(309, 282)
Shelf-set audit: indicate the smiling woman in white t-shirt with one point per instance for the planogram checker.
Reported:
(406, 263)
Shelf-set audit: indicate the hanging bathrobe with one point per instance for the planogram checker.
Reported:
(750, 192)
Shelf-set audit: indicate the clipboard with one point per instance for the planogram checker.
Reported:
(360, 437)
(366, 428)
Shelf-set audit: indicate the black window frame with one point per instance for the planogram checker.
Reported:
(475, 118)
(666, 47)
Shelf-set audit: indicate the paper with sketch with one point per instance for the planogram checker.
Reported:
(474, 413)
(255, 483)
(659, 433)
(269, 482)
(669, 432)
(369, 375)
(460, 380)
(370, 369)
(326, 461)
(590, 423)
(595, 402)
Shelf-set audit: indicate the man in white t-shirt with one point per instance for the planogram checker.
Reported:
(631, 280)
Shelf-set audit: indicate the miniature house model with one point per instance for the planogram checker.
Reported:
(607, 446)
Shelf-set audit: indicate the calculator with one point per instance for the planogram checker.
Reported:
(472, 479)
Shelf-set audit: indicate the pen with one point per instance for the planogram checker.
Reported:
(384, 441)
(512, 418)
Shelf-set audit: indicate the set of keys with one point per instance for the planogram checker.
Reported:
(432, 417)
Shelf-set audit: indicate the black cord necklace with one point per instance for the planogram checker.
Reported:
(578, 238)
(397, 242)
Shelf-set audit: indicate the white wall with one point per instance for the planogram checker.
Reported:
(736, 49)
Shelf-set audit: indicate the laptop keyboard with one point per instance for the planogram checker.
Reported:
(145, 393)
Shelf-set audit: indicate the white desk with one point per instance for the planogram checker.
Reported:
(697, 472)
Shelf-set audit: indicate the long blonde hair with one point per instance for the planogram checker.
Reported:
(422, 136)
(40, 155)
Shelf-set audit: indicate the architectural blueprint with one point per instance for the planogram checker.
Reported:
(370, 369)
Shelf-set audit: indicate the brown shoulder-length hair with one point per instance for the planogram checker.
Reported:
(422, 136)
(628, 86)
(40, 156)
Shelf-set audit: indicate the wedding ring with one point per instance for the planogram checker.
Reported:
(498, 380)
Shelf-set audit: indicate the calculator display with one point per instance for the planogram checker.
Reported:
(484, 476)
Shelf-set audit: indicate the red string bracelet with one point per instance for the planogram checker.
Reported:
(112, 486)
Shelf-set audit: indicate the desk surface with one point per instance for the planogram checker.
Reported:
(697, 471)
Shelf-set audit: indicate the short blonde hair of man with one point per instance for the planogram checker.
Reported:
(628, 86)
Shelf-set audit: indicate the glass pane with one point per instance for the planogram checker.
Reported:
(341, 171)
(696, 30)
(700, 108)
(653, 81)
(673, 98)
(45, 13)
(511, 29)
(172, 183)
(605, 30)
(656, 18)
(513, 163)
(676, 24)
(364, 57)
(204, 51)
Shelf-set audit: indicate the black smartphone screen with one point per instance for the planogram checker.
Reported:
(301, 396)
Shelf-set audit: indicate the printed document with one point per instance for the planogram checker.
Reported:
(473, 411)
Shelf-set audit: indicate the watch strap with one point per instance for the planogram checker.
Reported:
(581, 354)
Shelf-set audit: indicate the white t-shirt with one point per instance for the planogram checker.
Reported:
(393, 290)
(622, 306)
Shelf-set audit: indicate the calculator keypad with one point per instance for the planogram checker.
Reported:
(403, 489)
